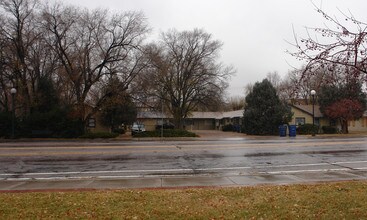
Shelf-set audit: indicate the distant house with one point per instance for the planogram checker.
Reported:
(359, 125)
(302, 114)
(94, 123)
(204, 121)
(152, 118)
(196, 120)
(233, 117)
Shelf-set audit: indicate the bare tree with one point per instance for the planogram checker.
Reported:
(340, 46)
(297, 84)
(248, 88)
(275, 79)
(236, 103)
(287, 90)
(4, 72)
(186, 73)
(93, 46)
(21, 34)
(284, 87)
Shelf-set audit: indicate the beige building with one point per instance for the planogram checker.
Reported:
(151, 119)
(302, 114)
(195, 121)
(94, 123)
(358, 125)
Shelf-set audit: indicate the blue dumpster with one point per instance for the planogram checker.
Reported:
(292, 130)
(282, 130)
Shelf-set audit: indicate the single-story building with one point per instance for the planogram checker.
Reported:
(358, 125)
(196, 120)
(302, 114)
(94, 123)
(151, 119)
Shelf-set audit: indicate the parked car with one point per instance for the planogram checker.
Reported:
(166, 125)
(137, 128)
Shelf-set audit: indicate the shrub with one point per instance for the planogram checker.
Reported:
(5, 124)
(99, 135)
(228, 127)
(166, 133)
(118, 130)
(165, 126)
(55, 123)
(308, 129)
(329, 130)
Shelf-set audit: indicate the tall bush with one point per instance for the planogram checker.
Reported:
(264, 111)
(308, 129)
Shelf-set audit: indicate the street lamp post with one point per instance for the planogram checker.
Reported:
(13, 91)
(162, 121)
(162, 114)
(313, 93)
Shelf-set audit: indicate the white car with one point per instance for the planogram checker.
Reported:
(137, 128)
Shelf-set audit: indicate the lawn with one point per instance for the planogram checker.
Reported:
(345, 200)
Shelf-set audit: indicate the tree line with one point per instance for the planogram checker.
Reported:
(67, 63)
(72, 62)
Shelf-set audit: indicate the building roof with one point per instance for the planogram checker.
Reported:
(308, 109)
(151, 115)
(193, 115)
(206, 115)
(233, 114)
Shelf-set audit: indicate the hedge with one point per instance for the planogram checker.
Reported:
(166, 133)
(329, 130)
(308, 129)
(99, 135)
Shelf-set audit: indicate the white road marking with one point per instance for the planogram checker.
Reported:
(303, 171)
(349, 162)
(189, 170)
(223, 168)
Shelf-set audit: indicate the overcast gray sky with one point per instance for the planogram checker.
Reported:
(254, 32)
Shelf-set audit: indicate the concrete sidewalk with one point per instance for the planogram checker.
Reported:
(161, 182)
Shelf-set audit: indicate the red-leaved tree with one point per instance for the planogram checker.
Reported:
(345, 110)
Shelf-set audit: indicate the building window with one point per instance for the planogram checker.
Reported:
(332, 122)
(91, 122)
(317, 121)
(300, 121)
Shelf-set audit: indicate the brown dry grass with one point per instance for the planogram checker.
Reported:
(345, 200)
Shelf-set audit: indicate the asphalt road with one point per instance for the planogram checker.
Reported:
(343, 157)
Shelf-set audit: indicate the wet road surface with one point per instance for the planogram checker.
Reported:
(236, 157)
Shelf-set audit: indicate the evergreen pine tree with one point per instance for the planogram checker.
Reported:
(264, 112)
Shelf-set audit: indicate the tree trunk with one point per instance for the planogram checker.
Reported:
(344, 124)
(178, 122)
(178, 118)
